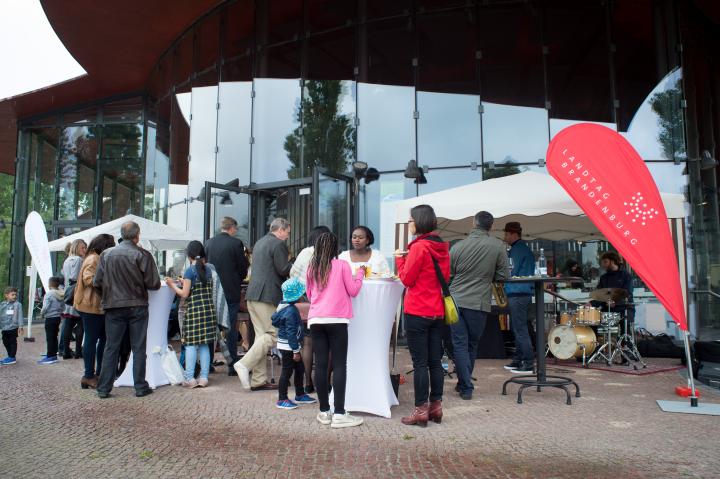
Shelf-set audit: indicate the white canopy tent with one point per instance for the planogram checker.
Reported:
(153, 236)
(537, 201)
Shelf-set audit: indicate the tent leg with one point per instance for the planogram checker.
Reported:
(31, 301)
(691, 379)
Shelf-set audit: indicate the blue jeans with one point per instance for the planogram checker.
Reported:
(465, 336)
(519, 306)
(191, 354)
(94, 347)
(232, 334)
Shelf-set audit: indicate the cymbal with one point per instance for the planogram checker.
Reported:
(609, 294)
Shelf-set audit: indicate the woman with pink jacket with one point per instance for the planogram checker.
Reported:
(330, 287)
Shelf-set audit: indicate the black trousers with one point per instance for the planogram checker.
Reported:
(117, 321)
(52, 326)
(73, 323)
(425, 341)
(327, 339)
(9, 339)
(289, 366)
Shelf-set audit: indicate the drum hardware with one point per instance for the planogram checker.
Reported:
(567, 341)
(626, 347)
(608, 295)
(588, 316)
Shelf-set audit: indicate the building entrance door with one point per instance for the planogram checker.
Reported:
(323, 199)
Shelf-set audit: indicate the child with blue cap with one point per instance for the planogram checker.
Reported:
(290, 337)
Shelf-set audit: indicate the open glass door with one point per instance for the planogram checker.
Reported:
(227, 201)
(333, 204)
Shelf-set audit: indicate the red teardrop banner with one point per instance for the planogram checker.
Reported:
(609, 180)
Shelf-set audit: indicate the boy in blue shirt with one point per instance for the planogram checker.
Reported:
(290, 337)
(11, 321)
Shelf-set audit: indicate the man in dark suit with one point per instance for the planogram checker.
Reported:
(227, 254)
(270, 267)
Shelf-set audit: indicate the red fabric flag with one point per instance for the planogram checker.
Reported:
(607, 178)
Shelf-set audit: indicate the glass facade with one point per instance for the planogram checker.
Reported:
(265, 91)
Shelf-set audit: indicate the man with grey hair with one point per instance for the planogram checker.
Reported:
(124, 276)
(270, 267)
(475, 263)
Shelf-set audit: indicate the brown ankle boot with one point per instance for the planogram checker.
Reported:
(86, 383)
(435, 412)
(419, 416)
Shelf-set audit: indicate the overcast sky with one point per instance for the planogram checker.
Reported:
(31, 54)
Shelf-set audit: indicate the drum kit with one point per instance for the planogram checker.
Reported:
(592, 335)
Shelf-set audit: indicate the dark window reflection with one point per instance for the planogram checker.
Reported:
(121, 168)
(207, 42)
(280, 61)
(180, 139)
(331, 56)
(511, 68)
(447, 45)
(278, 21)
(76, 181)
(578, 70)
(386, 51)
(373, 9)
(329, 14)
(183, 59)
(239, 29)
(329, 134)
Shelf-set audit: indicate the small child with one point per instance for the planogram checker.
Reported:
(52, 309)
(11, 321)
(290, 337)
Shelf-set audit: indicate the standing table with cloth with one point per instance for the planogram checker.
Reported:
(159, 304)
(368, 367)
(540, 379)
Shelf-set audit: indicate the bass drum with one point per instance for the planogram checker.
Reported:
(569, 341)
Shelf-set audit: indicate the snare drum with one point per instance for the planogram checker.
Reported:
(568, 317)
(566, 341)
(589, 316)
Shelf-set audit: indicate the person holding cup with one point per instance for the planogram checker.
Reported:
(362, 255)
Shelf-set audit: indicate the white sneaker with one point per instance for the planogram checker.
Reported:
(243, 374)
(324, 418)
(345, 420)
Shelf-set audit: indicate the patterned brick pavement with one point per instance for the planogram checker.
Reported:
(50, 427)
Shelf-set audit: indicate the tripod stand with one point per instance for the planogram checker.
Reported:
(626, 347)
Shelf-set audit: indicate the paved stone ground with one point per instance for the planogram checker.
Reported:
(50, 427)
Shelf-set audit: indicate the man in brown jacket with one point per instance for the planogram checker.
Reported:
(124, 275)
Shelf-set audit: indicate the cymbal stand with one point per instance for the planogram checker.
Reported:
(607, 345)
(627, 349)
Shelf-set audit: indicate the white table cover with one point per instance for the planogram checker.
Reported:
(368, 369)
(159, 304)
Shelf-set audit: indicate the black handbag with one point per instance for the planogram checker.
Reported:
(69, 294)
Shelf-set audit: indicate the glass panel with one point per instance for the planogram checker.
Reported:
(557, 125)
(447, 43)
(234, 132)
(235, 205)
(387, 52)
(125, 111)
(503, 125)
(327, 14)
(333, 199)
(7, 189)
(45, 143)
(203, 126)
(511, 68)
(108, 193)
(383, 8)
(386, 137)
(86, 192)
(161, 78)
(578, 69)
(281, 61)
(237, 69)
(180, 136)
(82, 116)
(438, 180)
(329, 133)
(281, 19)
(276, 116)
(122, 167)
(157, 169)
(657, 128)
(377, 208)
(183, 59)
(448, 129)
(78, 149)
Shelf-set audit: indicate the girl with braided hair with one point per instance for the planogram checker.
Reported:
(330, 287)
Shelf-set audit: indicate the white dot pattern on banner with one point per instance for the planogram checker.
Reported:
(636, 206)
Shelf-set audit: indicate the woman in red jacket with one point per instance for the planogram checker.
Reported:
(424, 312)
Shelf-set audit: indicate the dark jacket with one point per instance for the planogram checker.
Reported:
(270, 267)
(475, 263)
(227, 254)
(417, 272)
(290, 327)
(124, 275)
(523, 265)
